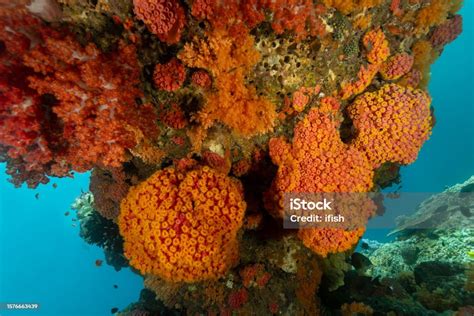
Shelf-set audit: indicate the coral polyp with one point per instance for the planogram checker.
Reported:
(197, 118)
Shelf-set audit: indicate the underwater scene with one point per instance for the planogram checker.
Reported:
(236, 157)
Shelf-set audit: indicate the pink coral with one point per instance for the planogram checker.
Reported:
(169, 76)
(392, 123)
(164, 18)
(447, 32)
(397, 66)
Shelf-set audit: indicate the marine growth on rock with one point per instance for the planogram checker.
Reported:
(196, 117)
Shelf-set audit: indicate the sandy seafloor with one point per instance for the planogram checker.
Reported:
(43, 260)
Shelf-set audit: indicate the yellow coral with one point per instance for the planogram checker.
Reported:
(229, 60)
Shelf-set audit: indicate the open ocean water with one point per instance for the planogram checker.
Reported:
(43, 260)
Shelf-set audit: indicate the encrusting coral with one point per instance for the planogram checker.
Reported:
(197, 119)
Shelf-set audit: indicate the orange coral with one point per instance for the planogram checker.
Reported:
(318, 153)
(233, 103)
(424, 56)
(411, 79)
(349, 6)
(298, 16)
(164, 18)
(397, 66)
(182, 226)
(301, 17)
(169, 76)
(392, 123)
(356, 308)
(378, 51)
(329, 240)
(433, 14)
(362, 22)
(377, 46)
(301, 97)
(364, 78)
(229, 13)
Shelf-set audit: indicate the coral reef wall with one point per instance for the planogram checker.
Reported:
(198, 116)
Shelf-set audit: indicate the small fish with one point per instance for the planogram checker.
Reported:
(98, 263)
(115, 286)
(470, 253)
(37, 195)
(360, 262)
(73, 225)
(364, 245)
(66, 214)
(55, 185)
(74, 219)
(114, 310)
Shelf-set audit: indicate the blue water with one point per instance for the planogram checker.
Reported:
(43, 260)
(447, 157)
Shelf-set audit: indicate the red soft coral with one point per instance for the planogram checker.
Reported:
(88, 86)
(170, 76)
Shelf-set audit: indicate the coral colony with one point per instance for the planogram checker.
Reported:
(196, 117)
